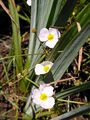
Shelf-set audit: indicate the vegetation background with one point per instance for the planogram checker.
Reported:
(70, 74)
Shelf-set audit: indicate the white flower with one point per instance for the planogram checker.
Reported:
(43, 96)
(29, 2)
(43, 68)
(50, 36)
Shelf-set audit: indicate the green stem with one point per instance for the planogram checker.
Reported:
(5, 70)
(31, 82)
(16, 37)
(69, 101)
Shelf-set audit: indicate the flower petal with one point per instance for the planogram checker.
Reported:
(42, 86)
(39, 69)
(52, 43)
(43, 34)
(48, 104)
(35, 93)
(47, 66)
(36, 96)
(59, 34)
(29, 2)
(48, 90)
(55, 32)
(47, 63)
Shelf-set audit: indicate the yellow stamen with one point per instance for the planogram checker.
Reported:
(43, 97)
(50, 37)
(46, 68)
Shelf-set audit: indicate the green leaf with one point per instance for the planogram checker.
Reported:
(65, 13)
(73, 90)
(71, 32)
(16, 37)
(56, 10)
(61, 50)
(69, 53)
(40, 11)
(80, 111)
(41, 14)
(69, 40)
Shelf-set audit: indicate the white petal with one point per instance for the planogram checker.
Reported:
(29, 2)
(52, 43)
(35, 93)
(37, 101)
(48, 104)
(43, 34)
(36, 96)
(59, 34)
(55, 32)
(48, 90)
(47, 63)
(42, 86)
(39, 69)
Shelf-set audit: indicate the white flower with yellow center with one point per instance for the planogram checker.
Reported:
(50, 37)
(43, 96)
(29, 2)
(43, 68)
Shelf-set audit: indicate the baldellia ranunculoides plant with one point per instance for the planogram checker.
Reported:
(49, 55)
(49, 64)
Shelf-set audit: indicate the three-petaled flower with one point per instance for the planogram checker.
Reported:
(43, 68)
(29, 2)
(50, 37)
(43, 96)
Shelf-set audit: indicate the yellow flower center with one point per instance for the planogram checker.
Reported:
(43, 97)
(50, 37)
(46, 68)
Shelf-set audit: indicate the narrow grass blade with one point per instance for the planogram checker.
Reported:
(80, 111)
